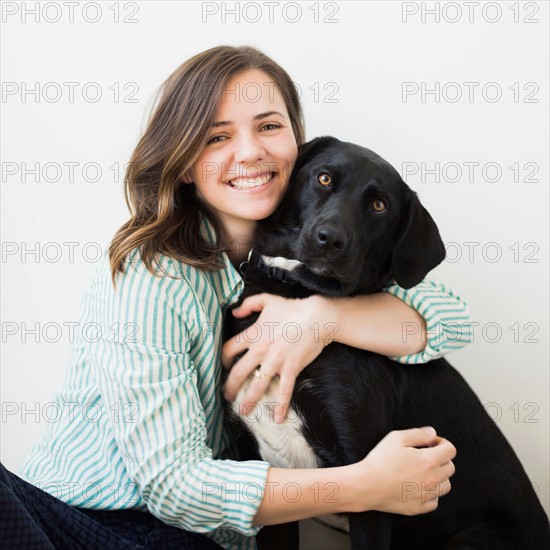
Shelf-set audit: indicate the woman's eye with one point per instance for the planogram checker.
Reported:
(379, 205)
(215, 139)
(324, 179)
(270, 126)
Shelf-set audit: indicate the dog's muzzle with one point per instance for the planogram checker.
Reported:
(328, 240)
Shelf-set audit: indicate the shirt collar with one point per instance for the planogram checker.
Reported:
(227, 282)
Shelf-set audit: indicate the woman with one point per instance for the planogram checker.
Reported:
(145, 431)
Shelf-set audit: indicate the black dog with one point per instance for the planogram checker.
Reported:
(352, 226)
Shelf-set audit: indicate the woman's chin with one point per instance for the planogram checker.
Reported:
(259, 213)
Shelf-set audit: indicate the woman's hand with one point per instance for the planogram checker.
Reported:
(287, 336)
(401, 478)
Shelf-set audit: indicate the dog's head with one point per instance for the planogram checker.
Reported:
(352, 221)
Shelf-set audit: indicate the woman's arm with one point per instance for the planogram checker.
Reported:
(144, 358)
(377, 323)
(395, 477)
(410, 326)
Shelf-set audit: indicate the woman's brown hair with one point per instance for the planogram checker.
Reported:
(165, 212)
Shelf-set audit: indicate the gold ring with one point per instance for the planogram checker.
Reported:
(259, 374)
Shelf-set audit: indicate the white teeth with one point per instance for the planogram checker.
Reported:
(249, 183)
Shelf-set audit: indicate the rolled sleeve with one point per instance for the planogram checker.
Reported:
(448, 321)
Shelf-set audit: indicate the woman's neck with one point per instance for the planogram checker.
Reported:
(238, 239)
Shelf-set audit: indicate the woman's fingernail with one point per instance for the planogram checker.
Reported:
(429, 430)
(278, 419)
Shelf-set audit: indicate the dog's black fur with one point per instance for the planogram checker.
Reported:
(356, 397)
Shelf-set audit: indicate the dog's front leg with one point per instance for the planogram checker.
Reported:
(370, 531)
(275, 537)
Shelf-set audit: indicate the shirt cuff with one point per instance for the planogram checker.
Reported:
(241, 494)
(448, 321)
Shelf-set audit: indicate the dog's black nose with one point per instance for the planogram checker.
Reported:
(329, 238)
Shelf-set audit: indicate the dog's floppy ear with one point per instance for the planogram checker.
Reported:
(419, 247)
(310, 148)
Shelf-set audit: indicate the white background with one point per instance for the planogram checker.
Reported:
(360, 62)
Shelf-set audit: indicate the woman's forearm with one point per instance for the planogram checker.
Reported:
(292, 495)
(379, 322)
(403, 474)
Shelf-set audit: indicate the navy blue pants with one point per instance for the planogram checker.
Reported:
(31, 518)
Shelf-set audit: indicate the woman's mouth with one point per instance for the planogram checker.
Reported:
(251, 182)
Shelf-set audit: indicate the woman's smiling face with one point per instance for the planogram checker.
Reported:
(243, 171)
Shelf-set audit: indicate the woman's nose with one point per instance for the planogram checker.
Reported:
(248, 148)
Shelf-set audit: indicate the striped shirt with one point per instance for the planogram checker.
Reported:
(141, 423)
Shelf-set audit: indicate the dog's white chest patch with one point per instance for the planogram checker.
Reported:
(282, 445)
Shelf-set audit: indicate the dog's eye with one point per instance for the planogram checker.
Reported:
(379, 205)
(324, 179)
